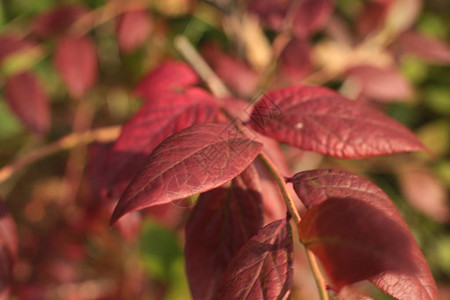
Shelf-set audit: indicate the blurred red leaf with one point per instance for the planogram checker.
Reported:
(8, 250)
(355, 241)
(424, 191)
(318, 186)
(170, 76)
(58, 20)
(191, 161)
(234, 72)
(263, 267)
(295, 60)
(76, 60)
(380, 84)
(427, 48)
(133, 29)
(270, 12)
(372, 17)
(320, 120)
(28, 101)
(223, 220)
(311, 16)
(153, 123)
(9, 44)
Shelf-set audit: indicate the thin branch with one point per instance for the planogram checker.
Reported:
(104, 134)
(320, 281)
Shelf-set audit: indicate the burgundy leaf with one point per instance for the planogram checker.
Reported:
(170, 76)
(320, 120)
(372, 17)
(359, 196)
(270, 12)
(263, 267)
(77, 63)
(296, 60)
(234, 72)
(58, 20)
(28, 100)
(311, 16)
(8, 250)
(191, 161)
(432, 50)
(382, 84)
(133, 29)
(153, 123)
(10, 44)
(223, 220)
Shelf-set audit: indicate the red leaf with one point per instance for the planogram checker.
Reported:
(77, 63)
(28, 100)
(234, 72)
(263, 267)
(271, 12)
(170, 76)
(58, 20)
(427, 48)
(133, 29)
(153, 123)
(191, 161)
(320, 120)
(8, 250)
(372, 17)
(380, 84)
(318, 186)
(295, 60)
(311, 17)
(223, 220)
(10, 44)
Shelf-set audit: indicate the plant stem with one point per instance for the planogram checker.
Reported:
(104, 134)
(219, 89)
(320, 281)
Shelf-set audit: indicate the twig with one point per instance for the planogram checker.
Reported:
(104, 134)
(217, 87)
(320, 281)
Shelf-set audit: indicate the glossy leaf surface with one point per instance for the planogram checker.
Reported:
(154, 122)
(263, 267)
(28, 100)
(223, 220)
(360, 202)
(76, 60)
(320, 120)
(191, 161)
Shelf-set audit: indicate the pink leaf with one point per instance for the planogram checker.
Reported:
(170, 76)
(320, 120)
(191, 161)
(223, 220)
(431, 50)
(234, 72)
(10, 44)
(153, 123)
(296, 60)
(311, 16)
(262, 269)
(76, 60)
(380, 84)
(372, 17)
(359, 197)
(58, 20)
(270, 12)
(133, 29)
(8, 250)
(28, 100)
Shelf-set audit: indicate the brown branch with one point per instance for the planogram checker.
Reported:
(104, 134)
